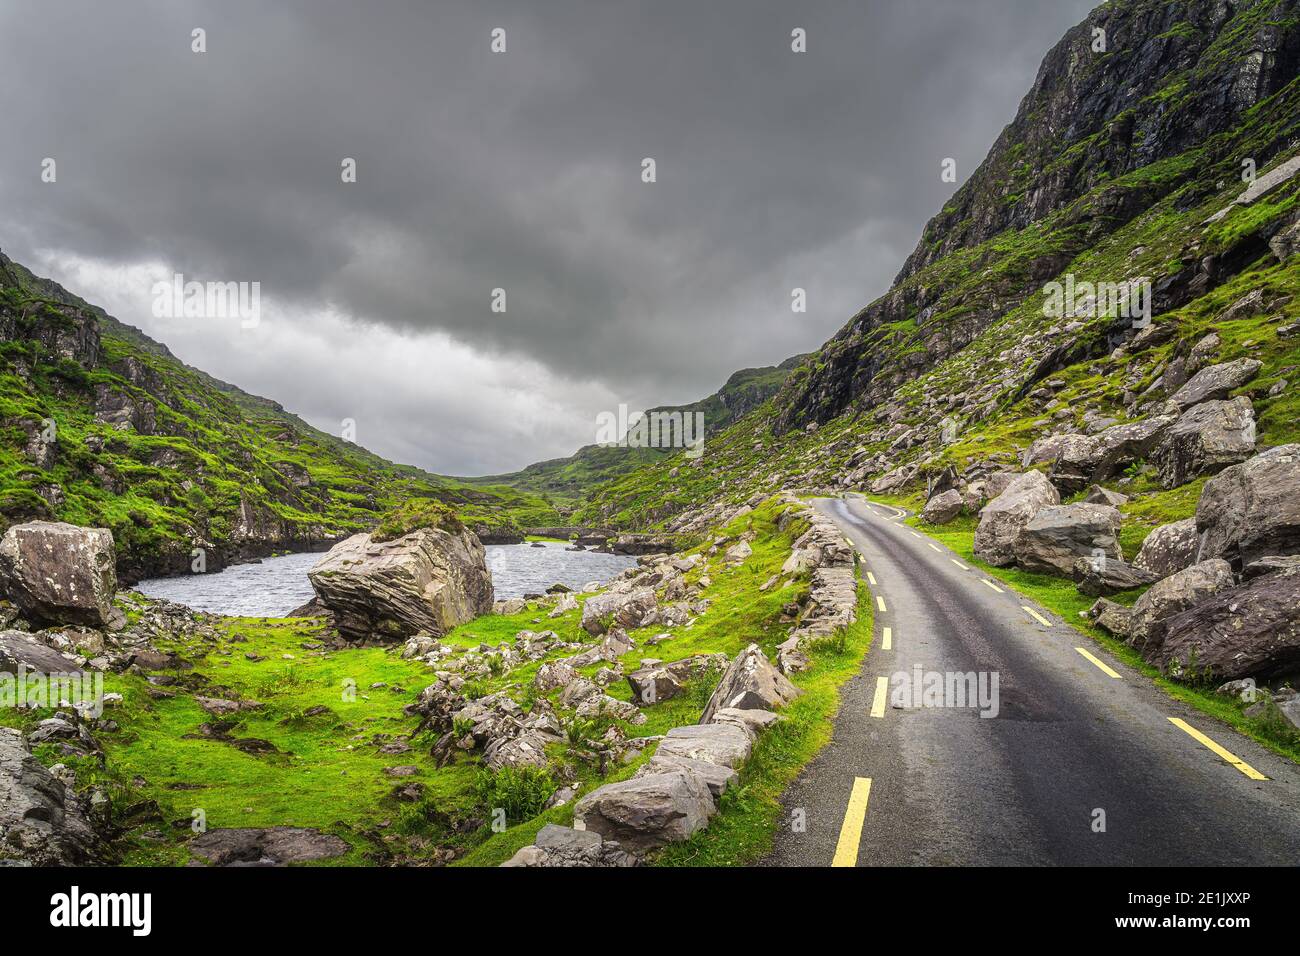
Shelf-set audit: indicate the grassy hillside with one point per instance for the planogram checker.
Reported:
(100, 425)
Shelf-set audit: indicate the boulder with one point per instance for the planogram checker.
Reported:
(1003, 518)
(1171, 597)
(630, 609)
(1169, 548)
(943, 507)
(1216, 382)
(723, 744)
(660, 682)
(272, 846)
(562, 846)
(1119, 446)
(1205, 439)
(1070, 456)
(57, 573)
(553, 674)
(1252, 510)
(753, 722)
(1248, 631)
(429, 580)
(42, 821)
(1058, 535)
(1097, 578)
(20, 649)
(648, 812)
(717, 777)
(1097, 495)
(750, 683)
(1112, 617)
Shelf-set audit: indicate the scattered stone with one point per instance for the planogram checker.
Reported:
(561, 846)
(273, 846)
(1097, 578)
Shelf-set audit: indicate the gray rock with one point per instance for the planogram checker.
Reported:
(716, 777)
(1097, 578)
(429, 580)
(557, 846)
(42, 822)
(1216, 382)
(20, 649)
(1248, 631)
(272, 846)
(1003, 518)
(723, 744)
(1169, 548)
(648, 812)
(59, 573)
(1112, 617)
(753, 722)
(943, 507)
(660, 682)
(631, 609)
(750, 683)
(1270, 565)
(1058, 535)
(1122, 445)
(1252, 510)
(1206, 438)
(1173, 595)
(1097, 495)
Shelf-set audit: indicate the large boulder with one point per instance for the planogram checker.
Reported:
(647, 812)
(1252, 510)
(1205, 439)
(1247, 631)
(1119, 446)
(750, 683)
(1216, 382)
(1097, 578)
(1058, 535)
(1070, 456)
(1169, 548)
(1003, 518)
(42, 822)
(723, 744)
(943, 507)
(1172, 596)
(429, 580)
(627, 609)
(58, 573)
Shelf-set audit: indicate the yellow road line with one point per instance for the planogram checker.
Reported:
(878, 702)
(1232, 758)
(1036, 616)
(871, 579)
(991, 584)
(846, 850)
(960, 565)
(887, 642)
(1102, 665)
(934, 547)
(881, 603)
(914, 534)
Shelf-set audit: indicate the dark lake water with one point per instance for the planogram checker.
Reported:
(278, 585)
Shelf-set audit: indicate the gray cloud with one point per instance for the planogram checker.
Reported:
(518, 170)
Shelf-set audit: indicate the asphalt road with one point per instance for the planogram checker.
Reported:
(1078, 767)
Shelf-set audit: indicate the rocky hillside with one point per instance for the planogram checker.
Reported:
(103, 426)
(1121, 165)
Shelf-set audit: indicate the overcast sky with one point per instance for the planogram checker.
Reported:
(478, 170)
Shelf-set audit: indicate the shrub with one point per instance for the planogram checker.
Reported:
(521, 792)
(416, 514)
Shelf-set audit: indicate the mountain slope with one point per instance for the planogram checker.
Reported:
(101, 425)
(1111, 171)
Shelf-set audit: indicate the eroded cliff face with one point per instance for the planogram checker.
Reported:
(1136, 103)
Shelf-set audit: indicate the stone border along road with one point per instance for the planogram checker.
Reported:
(1076, 734)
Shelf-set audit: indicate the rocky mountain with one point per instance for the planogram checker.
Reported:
(104, 426)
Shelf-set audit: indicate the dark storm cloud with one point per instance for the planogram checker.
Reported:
(518, 170)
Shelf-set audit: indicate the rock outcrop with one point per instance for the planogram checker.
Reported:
(429, 580)
(1003, 518)
(58, 573)
(42, 821)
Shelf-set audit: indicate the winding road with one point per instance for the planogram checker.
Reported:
(1085, 763)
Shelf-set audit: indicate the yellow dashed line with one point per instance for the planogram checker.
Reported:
(871, 579)
(880, 602)
(887, 641)
(846, 850)
(992, 585)
(1102, 665)
(914, 534)
(1233, 759)
(960, 565)
(878, 702)
(1036, 616)
(934, 547)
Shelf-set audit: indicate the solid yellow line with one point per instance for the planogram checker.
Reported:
(846, 850)
(871, 579)
(1036, 616)
(992, 585)
(881, 602)
(1105, 669)
(960, 565)
(878, 702)
(887, 642)
(1233, 759)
